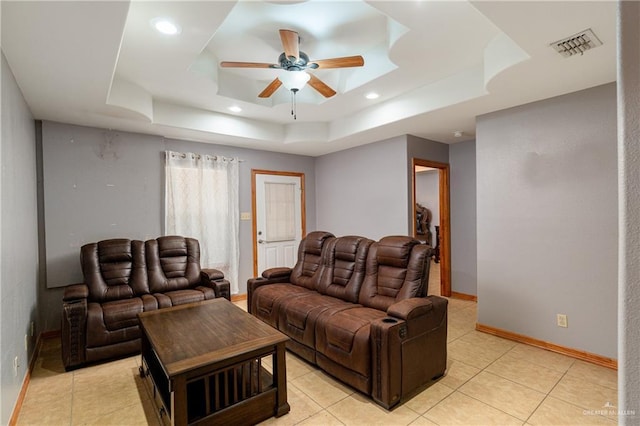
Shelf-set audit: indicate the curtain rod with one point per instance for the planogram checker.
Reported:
(199, 156)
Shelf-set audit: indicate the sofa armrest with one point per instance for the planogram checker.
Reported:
(214, 279)
(409, 348)
(276, 273)
(75, 292)
(73, 330)
(269, 276)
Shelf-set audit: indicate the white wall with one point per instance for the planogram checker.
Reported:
(547, 219)
(19, 240)
(629, 193)
(464, 245)
(428, 195)
(363, 190)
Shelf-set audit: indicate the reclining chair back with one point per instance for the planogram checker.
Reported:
(397, 269)
(173, 263)
(344, 267)
(307, 271)
(114, 269)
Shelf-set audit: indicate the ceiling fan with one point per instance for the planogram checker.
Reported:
(296, 62)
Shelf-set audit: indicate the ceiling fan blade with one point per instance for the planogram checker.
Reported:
(321, 87)
(290, 43)
(272, 87)
(227, 64)
(346, 62)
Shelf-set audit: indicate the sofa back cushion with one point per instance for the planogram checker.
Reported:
(173, 263)
(114, 269)
(397, 269)
(308, 269)
(344, 262)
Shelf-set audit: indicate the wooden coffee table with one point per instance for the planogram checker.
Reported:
(208, 362)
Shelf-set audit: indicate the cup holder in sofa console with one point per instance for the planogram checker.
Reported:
(389, 320)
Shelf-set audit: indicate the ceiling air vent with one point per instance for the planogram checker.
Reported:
(577, 43)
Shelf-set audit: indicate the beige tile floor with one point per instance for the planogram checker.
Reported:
(489, 381)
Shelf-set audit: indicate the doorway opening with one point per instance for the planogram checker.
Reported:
(431, 221)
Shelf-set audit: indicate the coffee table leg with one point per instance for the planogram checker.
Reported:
(280, 373)
(179, 401)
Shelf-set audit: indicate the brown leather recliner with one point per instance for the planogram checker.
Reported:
(122, 278)
(368, 320)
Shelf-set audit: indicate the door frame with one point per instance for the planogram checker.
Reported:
(254, 223)
(445, 218)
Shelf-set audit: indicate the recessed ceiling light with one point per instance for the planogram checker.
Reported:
(235, 108)
(457, 133)
(165, 26)
(372, 95)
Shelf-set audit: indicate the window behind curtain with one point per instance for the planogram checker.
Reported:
(280, 211)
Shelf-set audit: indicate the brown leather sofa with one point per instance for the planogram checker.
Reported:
(123, 278)
(358, 309)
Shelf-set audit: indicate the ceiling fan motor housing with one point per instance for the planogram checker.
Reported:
(295, 64)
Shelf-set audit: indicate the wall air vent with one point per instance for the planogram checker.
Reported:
(577, 43)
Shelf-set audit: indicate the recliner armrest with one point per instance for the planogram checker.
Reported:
(213, 274)
(214, 279)
(73, 330)
(75, 292)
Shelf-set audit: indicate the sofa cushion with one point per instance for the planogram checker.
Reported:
(344, 267)
(181, 297)
(308, 269)
(121, 317)
(173, 263)
(266, 300)
(122, 313)
(297, 315)
(343, 337)
(114, 269)
(397, 269)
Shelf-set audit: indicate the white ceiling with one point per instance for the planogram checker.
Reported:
(436, 65)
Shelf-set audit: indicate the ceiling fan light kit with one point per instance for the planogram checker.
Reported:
(294, 79)
(293, 63)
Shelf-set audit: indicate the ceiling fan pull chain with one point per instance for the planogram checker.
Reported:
(293, 103)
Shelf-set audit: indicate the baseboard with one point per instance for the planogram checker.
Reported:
(238, 297)
(464, 296)
(13, 420)
(574, 353)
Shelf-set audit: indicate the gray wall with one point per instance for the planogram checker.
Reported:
(629, 192)
(363, 190)
(19, 240)
(547, 219)
(101, 184)
(462, 185)
(428, 195)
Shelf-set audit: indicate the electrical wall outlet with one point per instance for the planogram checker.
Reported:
(562, 320)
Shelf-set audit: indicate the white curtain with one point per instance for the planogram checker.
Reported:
(201, 201)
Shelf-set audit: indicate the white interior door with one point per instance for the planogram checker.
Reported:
(278, 219)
